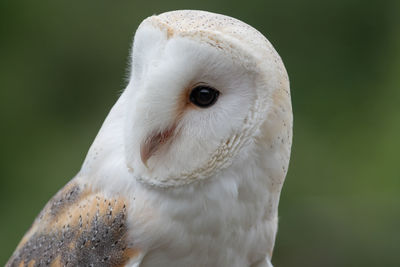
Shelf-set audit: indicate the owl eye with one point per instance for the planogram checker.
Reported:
(203, 96)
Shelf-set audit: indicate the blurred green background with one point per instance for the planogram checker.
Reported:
(63, 64)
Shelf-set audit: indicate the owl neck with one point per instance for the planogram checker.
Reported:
(237, 203)
(105, 158)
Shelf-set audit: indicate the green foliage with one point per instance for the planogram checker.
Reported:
(63, 64)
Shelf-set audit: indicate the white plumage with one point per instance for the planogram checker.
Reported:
(199, 186)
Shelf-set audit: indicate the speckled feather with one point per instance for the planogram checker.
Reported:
(78, 227)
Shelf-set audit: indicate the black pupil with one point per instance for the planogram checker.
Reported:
(203, 96)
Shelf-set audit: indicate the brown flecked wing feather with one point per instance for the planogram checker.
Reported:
(78, 227)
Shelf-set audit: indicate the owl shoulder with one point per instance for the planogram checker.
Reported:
(78, 227)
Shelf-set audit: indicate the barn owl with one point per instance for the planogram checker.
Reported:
(188, 167)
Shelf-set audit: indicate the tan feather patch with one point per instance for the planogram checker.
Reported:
(78, 227)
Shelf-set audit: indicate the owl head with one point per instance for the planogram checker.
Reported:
(204, 90)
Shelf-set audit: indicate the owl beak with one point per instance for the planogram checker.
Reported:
(153, 143)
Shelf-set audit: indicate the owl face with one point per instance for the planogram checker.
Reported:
(190, 96)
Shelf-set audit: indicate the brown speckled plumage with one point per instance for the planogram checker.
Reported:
(77, 227)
